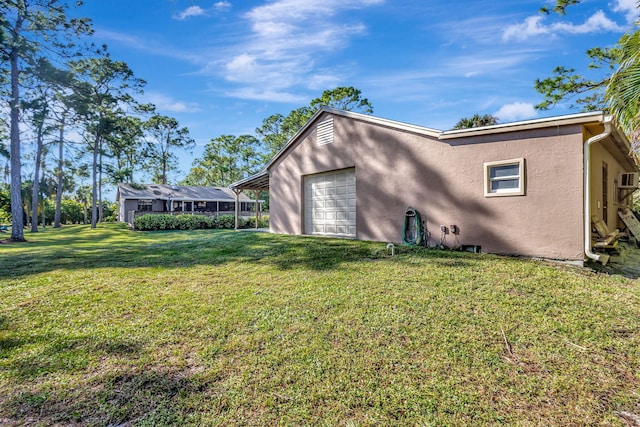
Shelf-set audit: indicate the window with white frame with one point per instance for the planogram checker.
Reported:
(504, 178)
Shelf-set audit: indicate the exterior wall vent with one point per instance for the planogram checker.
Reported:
(628, 180)
(324, 132)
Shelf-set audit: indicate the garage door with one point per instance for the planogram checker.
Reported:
(330, 203)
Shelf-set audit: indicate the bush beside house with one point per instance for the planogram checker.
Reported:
(192, 222)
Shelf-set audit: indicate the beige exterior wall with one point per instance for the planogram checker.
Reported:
(600, 155)
(444, 180)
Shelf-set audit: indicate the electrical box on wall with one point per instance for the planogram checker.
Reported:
(628, 180)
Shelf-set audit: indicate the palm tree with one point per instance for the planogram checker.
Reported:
(623, 90)
(476, 121)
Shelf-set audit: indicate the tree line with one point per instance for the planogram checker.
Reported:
(54, 83)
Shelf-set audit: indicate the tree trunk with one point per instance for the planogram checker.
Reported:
(100, 207)
(58, 214)
(44, 210)
(94, 190)
(130, 166)
(164, 169)
(36, 181)
(17, 219)
(44, 213)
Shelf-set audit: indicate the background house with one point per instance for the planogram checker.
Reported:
(518, 188)
(140, 199)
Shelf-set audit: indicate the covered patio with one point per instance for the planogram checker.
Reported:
(141, 199)
(256, 183)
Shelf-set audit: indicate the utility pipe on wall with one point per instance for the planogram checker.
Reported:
(587, 187)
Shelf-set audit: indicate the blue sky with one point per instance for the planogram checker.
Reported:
(221, 67)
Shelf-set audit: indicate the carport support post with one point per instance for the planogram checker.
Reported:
(257, 208)
(237, 191)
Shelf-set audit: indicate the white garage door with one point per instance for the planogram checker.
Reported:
(330, 203)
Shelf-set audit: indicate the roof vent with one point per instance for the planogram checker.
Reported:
(175, 188)
(324, 132)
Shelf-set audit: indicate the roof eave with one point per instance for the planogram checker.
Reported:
(566, 120)
(623, 143)
(581, 118)
(421, 130)
(257, 179)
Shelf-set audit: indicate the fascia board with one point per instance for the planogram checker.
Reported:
(581, 118)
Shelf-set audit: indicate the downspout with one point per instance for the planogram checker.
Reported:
(587, 188)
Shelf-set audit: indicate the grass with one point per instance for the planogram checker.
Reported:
(112, 327)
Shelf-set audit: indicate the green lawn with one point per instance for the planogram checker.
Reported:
(111, 327)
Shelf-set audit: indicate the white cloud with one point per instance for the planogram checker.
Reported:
(529, 28)
(534, 26)
(296, 10)
(189, 12)
(273, 29)
(627, 7)
(268, 75)
(479, 29)
(166, 103)
(483, 62)
(598, 22)
(149, 46)
(266, 95)
(323, 80)
(516, 111)
(288, 39)
(242, 67)
(222, 6)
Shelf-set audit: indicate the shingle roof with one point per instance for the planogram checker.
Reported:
(177, 192)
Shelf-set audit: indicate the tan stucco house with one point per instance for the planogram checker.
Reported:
(527, 188)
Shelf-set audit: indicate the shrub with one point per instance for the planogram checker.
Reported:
(184, 222)
(155, 222)
(71, 211)
(192, 222)
(227, 221)
(250, 222)
(5, 204)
